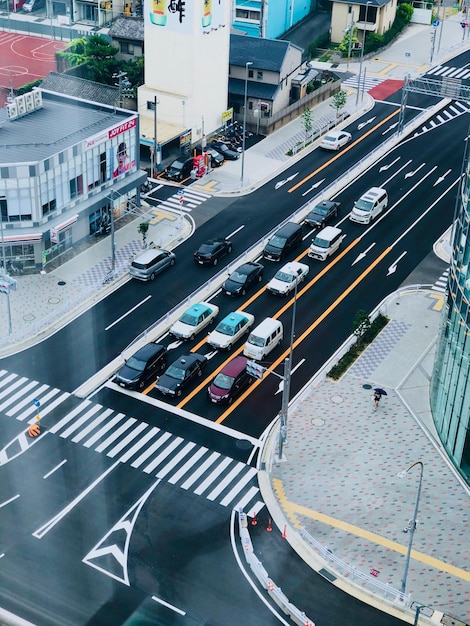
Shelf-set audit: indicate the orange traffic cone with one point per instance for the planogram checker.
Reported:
(254, 520)
(284, 534)
(269, 528)
(34, 430)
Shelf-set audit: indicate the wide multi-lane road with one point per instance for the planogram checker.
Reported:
(123, 505)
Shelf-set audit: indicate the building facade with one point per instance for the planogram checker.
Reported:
(374, 16)
(260, 18)
(450, 383)
(65, 164)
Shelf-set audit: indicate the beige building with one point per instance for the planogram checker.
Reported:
(375, 16)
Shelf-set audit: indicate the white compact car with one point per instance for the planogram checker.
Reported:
(287, 277)
(335, 139)
(230, 329)
(193, 320)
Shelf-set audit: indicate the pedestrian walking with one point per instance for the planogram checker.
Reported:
(378, 393)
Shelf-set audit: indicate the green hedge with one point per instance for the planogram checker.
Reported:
(356, 350)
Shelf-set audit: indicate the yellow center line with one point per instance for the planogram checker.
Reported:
(343, 151)
(292, 508)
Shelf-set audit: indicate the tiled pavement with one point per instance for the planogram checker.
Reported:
(339, 480)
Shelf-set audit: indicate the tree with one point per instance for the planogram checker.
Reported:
(307, 121)
(338, 101)
(143, 228)
(361, 325)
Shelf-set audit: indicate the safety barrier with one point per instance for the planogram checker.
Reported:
(275, 592)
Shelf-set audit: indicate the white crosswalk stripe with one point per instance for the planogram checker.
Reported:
(453, 110)
(441, 282)
(146, 448)
(449, 72)
(369, 83)
(191, 200)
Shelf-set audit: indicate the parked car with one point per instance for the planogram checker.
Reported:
(335, 139)
(228, 153)
(322, 213)
(193, 320)
(180, 168)
(142, 367)
(243, 277)
(287, 277)
(146, 265)
(33, 5)
(230, 330)
(180, 373)
(230, 382)
(216, 158)
(211, 251)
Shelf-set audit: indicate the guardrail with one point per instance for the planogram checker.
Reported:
(298, 617)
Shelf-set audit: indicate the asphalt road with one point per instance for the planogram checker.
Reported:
(73, 510)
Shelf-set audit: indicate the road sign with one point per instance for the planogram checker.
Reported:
(435, 23)
(407, 54)
(36, 402)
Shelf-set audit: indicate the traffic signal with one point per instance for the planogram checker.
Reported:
(255, 369)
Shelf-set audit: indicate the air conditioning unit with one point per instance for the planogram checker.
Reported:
(20, 103)
(37, 95)
(29, 101)
(12, 111)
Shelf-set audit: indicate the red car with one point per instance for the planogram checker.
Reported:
(230, 382)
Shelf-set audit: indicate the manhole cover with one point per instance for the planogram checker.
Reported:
(337, 399)
(318, 421)
(61, 283)
(29, 318)
(367, 386)
(54, 300)
(244, 444)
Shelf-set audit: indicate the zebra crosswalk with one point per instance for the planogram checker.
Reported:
(367, 83)
(182, 463)
(441, 282)
(191, 199)
(461, 73)
(453, 110)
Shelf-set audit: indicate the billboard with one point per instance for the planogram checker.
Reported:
(180, 16)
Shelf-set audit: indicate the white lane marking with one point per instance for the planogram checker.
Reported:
(168, 605)
(236, 231)
(54, 469)
(10, 500)
(128, 312)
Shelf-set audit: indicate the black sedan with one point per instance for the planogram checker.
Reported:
(228, 153)
(143, 367)
(211, 251)
(322, 212)
(242, 278)
(180, 373)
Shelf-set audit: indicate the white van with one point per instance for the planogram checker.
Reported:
(327, 241)
(369, 206)
(264, 338)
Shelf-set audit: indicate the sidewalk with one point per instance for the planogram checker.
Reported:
(339, 480)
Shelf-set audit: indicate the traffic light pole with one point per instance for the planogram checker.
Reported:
(284, 405)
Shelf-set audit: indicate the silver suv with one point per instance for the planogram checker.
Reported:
(151, 262)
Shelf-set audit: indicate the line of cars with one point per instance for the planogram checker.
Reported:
(151, 361)
(217, 153)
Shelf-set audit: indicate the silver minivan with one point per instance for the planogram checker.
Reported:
(369, 206)
(150, 262)
(326, 242)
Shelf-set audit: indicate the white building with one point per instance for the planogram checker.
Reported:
(64, 164)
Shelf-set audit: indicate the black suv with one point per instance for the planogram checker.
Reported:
(181, 373)
(283, 241)
(180, 168)
(142, 367)
(321, 213)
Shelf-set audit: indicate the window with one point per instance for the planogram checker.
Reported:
(76, 186)
(3, 209)
(259, 75)
(127, 48)
(250, 73)
(49, 207)
(103, 167)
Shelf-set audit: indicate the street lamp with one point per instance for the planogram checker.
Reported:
(247, 64)
(287, 377)
(156, 148)
(362, 54)
(413, 522)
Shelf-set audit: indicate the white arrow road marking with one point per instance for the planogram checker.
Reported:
(441, 178)
(393, 267)
(387, 167)
(314, 186)
(369, 121)
(410, 174)
(175, 344)
(211, 355)
(363, 254)
(387, 130)
(281, 384)
(286, 180)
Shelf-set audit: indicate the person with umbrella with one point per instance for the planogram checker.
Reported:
(378, 393)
